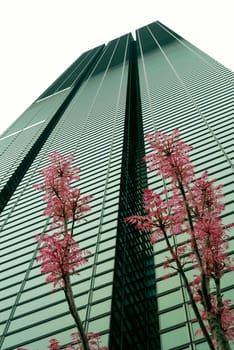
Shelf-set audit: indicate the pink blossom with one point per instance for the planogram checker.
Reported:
(59, 257)
(64, 202)
(227, 318)
(54, 344)
(196, 280)
(170, 156)
(166, 263)
(181, 249)
(198, 332)
(166, 276)
(153, 238)
(158, 215)
(94, 341)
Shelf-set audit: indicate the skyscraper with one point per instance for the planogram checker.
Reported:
(99, 109)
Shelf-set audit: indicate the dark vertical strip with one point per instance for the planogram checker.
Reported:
(21, 170)
(134, 323)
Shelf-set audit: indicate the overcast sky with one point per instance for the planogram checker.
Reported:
(39, 39)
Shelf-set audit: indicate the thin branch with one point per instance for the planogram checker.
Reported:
(187, 286)
(72, 308)
(204, 281)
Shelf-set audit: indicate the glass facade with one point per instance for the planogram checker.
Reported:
(99, 109)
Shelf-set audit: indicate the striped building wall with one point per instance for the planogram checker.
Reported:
(99, 109)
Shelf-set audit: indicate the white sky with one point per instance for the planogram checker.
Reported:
(39, 39)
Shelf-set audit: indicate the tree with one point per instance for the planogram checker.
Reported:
(192, 206)
(59, 254)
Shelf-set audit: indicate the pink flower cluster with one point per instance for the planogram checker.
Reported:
(208, 231)
(59, 256)
(162, 213)
(170, 157)
(94, 341)
(64, 202)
